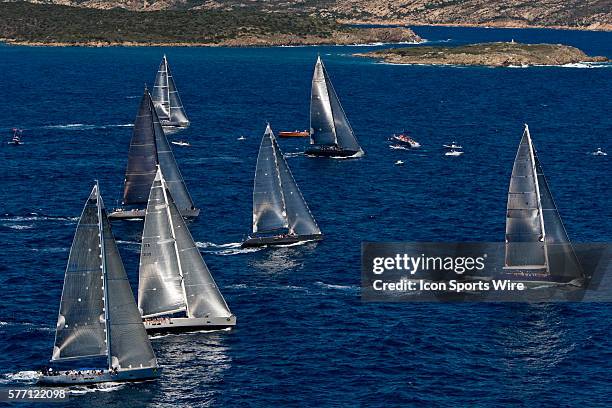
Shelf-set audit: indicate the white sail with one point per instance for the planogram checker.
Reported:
(166, 97)
(81, 329)
(98, 315)
(536, 239)
(159, 282)
(328, 122)
(299, 218)
(149, 147)
(167, 162)
(201, 292)
(173, 276)
(524, 222)
(322, 129)
(142, 157)
(130, 347)
(269, 210)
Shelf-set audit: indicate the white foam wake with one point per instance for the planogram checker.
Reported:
(21, 376)
(84, 126)
(232, 248)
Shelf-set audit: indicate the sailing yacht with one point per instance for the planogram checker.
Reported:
(176, 292)
(331, 134)
(16, 141)
(280, 214)
(537, 248)
(149, 148)
(167, 100)
(98, 317)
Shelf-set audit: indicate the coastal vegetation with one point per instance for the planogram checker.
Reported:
(497, 54)
(572, 14)
(49, 24)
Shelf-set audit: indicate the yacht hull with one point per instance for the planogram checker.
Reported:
(252, 242)
(120, 214)
(90, 377)
(185, 324)
(323, 151)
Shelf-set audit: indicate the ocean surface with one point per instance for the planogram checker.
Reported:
(303, 337)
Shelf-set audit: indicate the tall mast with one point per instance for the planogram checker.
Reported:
(104, 277)
(178, 258)
(167, 88)
(538, 196)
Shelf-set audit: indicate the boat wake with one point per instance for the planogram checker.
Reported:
(293, 154)
(83, 126)
(398, 147)
(27, 222)
(232, 248)
(102, 387)
(346, 288)
(357, 155)
(128, 242)
(19, 226)
(35, 217)
(21, 377)
(299, 243)
(161, 336)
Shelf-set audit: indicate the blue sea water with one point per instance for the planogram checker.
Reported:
(303, 337)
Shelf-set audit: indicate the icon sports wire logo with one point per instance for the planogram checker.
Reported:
(413, 264)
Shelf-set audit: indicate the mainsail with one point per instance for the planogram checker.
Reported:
(159, 283)
(167, 163)
(148, 148)
(268, 202)
(173, 276)
(81, 329)
(536, 240)
(142, 157)
(98, 315)
(328, 122)
(166, 97)
(299, 217)
(277, 200)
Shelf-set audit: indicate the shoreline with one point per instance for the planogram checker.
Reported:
(294, 41)
(599, 28)
(104, 44)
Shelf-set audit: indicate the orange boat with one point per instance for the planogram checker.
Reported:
(295, 133)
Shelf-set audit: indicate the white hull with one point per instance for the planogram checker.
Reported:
(121, 214)
(186, 324)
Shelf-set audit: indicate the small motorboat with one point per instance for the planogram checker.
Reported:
(453, 145)
(453, 152)
(241, 138)
(181, 143)
(16, 140)
(599, 152)
(406, 140)
(399, 163)
(295, 133)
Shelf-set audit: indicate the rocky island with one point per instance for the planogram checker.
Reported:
(499, 54)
